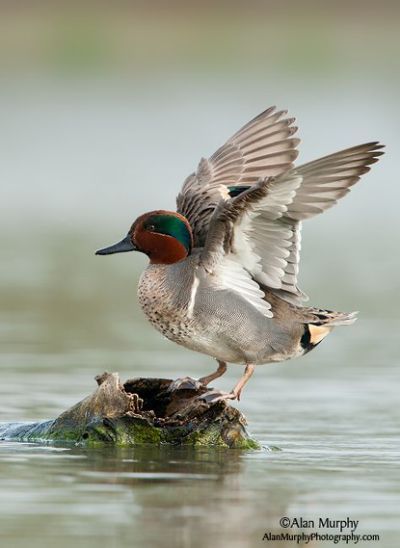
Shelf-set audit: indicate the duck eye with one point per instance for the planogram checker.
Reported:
(151, 227)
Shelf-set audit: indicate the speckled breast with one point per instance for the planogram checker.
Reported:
(163, 294)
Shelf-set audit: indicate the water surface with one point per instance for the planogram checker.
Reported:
(67, 316)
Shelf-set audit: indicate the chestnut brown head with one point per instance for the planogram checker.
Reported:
(164, 236)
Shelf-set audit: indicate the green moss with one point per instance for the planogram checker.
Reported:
(248, 443)
(127, 432)
(64, 435)
(124, 433)
(139, 434)
(210, 437)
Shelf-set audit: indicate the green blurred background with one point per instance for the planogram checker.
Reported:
(105, 108)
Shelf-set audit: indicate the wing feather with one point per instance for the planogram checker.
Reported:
(260, 229)
(327, 179)
(264, 147)
(254, 237)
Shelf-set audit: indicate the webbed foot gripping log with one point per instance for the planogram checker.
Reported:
(141, 411)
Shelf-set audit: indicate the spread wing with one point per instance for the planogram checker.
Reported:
(323, 182)
(259, 230)
(264, 147)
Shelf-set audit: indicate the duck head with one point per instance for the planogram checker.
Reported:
(164, 236)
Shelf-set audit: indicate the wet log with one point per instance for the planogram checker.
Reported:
(141, 411)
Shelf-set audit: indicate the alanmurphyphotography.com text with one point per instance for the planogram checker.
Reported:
(322, 529)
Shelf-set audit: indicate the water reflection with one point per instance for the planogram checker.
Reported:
(155, 496)
(184, 496)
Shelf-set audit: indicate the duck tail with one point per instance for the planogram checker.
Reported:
(331, 318)
(319, 323)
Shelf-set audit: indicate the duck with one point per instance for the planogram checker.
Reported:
(222, 277)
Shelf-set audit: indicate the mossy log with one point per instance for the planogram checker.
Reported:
(141, 411)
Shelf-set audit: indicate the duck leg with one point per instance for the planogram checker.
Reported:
(214, 395)
(237, 389)
(212, 376)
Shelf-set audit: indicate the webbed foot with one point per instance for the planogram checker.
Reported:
(214, 396)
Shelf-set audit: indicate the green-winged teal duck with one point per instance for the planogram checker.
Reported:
(222, 277)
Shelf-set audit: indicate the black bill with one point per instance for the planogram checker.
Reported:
(121, 247)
